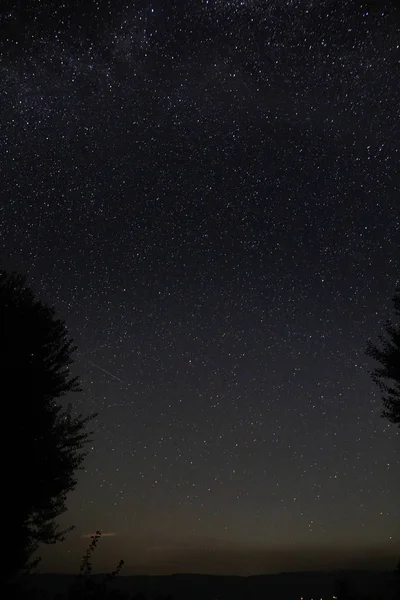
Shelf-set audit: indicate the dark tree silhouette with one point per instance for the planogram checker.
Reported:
(42, 442)
(387, 376)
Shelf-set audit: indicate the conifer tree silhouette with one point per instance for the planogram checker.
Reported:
(387, 376)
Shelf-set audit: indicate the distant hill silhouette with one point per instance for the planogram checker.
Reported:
(283, 586)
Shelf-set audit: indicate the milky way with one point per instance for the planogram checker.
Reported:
(208, 192)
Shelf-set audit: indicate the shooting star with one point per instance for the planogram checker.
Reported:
(91, 535)
(107, 372)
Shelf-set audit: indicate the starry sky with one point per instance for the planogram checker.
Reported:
(208, 193)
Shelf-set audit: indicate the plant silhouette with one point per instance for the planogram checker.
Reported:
(387, 376)
(45, 445)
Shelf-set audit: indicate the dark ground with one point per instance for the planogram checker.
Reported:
(359, 584)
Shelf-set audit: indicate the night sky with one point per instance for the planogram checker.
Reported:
(208, 193)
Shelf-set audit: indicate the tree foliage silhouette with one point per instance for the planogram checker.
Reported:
(44, 443)
(387, 376)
